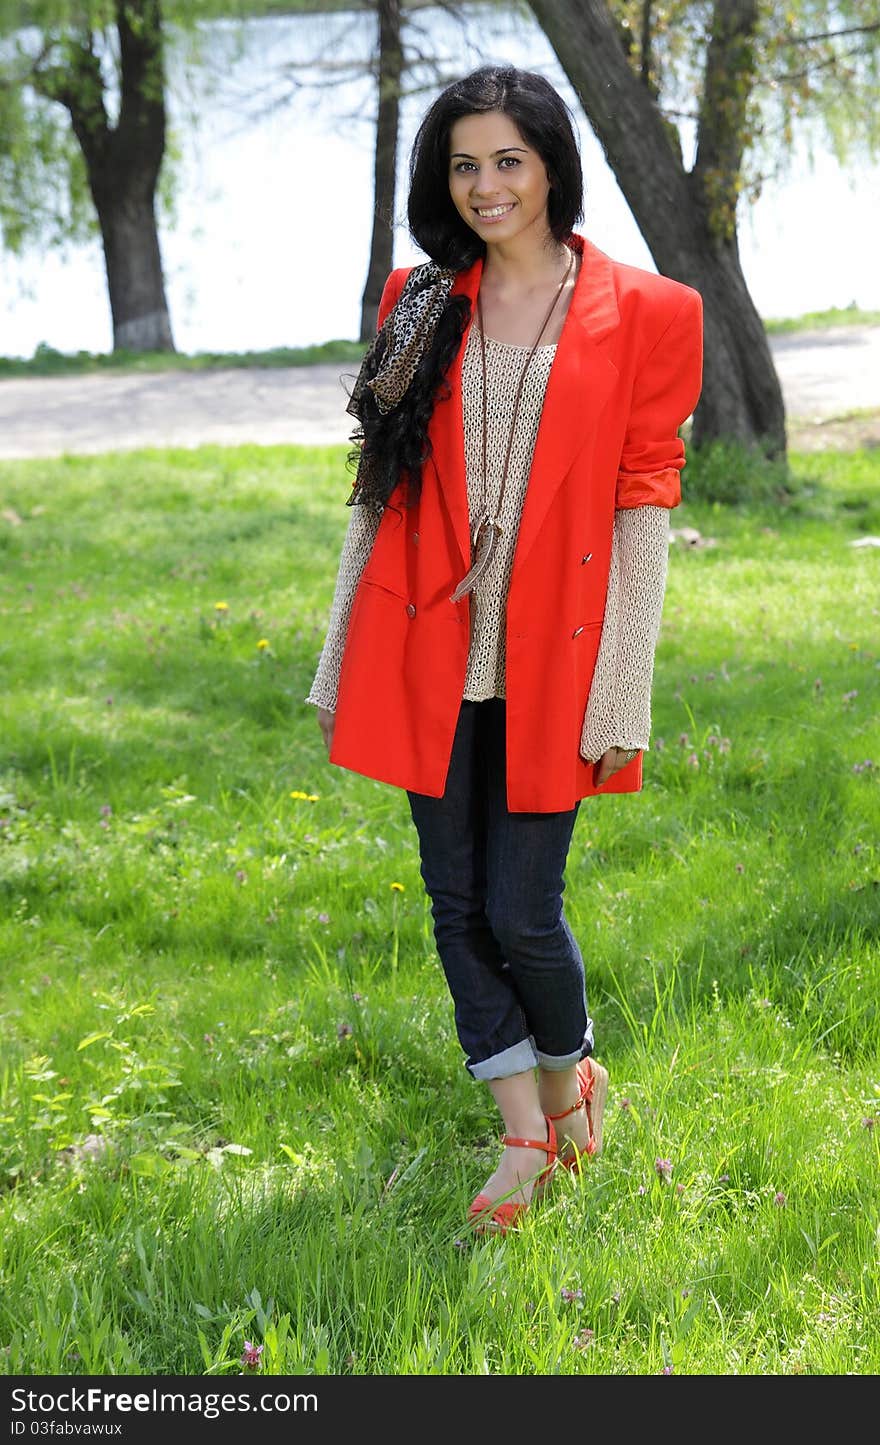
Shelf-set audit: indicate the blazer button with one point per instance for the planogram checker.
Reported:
(577, 632)
(586, 558)
(415, 537)
(410, 609)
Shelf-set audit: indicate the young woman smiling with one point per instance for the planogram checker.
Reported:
(491, 640)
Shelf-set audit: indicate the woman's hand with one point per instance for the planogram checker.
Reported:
(326, 722)
(611, 762)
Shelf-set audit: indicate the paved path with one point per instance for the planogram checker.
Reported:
(823, 374)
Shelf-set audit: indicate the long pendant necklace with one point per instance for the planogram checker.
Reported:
(488, 528)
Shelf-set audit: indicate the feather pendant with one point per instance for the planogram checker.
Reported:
(488, 533)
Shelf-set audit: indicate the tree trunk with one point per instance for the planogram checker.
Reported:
(688, 219)
(122, 165)
(134, 272)
(385, 171)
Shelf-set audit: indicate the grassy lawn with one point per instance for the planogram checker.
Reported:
(232, 1104)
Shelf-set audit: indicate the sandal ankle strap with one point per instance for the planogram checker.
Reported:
(547, 1146)
(582, 1099)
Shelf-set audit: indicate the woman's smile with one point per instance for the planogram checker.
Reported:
(494, 213)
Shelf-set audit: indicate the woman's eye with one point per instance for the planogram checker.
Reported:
(507, 163)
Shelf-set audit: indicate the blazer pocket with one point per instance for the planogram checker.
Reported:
(369, 578)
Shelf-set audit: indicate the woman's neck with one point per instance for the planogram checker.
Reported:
(524, 263)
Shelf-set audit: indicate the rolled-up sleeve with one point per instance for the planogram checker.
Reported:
(665, 392)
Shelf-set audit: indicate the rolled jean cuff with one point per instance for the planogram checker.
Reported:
(518, 1059)
(558, 1062)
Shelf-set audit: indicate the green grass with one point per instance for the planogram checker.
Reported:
(821, 320)
(232, 1104)
(46, 361)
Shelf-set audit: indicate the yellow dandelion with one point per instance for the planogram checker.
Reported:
(397, 888)
(263, 644)
(306, 797)
(221, 606)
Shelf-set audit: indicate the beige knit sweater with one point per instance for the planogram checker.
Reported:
(618, 711)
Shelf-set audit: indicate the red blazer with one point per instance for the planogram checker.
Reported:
(626, 374)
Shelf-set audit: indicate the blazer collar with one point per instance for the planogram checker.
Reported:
(593, 304)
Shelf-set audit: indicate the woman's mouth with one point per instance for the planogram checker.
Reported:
(493, 213)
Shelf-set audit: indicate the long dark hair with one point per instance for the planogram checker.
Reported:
(398, 441)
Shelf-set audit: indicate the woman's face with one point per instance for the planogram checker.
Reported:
(498, 183)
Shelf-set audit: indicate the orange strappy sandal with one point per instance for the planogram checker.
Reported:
(593, 1080)
(488, 1217)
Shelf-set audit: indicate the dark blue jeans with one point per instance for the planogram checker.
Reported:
(495, 880)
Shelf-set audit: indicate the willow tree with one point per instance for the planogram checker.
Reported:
(727, 83)
(82, 116)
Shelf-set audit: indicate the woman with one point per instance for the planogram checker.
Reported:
(491, 640)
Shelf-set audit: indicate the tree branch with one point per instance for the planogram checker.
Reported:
(830, 34)
(789, 77)
(78, 85)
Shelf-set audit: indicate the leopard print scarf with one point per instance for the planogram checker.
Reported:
(392, 359)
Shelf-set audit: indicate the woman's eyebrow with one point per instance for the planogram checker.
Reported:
(463, 155)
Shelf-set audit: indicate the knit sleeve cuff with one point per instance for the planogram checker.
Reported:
(363, 524)
(618, 713)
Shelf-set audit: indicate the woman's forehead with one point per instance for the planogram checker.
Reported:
(484, 134)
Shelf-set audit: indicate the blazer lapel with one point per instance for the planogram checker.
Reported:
(446, 431)
(581, 378)
(580, 381)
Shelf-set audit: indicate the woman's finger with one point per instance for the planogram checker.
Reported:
(610, 763)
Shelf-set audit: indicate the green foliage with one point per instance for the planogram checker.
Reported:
(53, 52)
(734, 475)
(44, 193)
(814, 71)
(43, 186)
